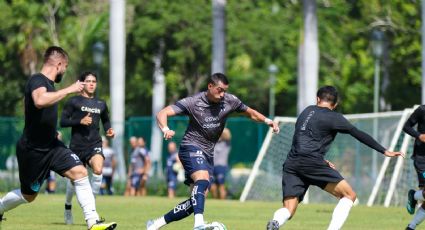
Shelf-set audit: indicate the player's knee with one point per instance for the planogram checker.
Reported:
(351, 195)
(77, 172)
(97, 171)
(29, 198)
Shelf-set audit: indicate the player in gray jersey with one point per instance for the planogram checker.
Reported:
(207, 112)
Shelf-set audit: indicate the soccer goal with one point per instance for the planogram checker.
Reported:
(359, 164)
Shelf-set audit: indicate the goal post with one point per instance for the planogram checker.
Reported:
(352, 158)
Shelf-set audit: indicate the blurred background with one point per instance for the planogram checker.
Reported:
(153, 52)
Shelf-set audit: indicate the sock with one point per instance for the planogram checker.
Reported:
(11, 200)
(198, 200)
(182, 210)
(69, 192)
(418, 218)
(86, 200)
(96, 182)
(281, 215)
(419, 195)
(340, 213)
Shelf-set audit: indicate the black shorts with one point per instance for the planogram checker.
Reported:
(298, 175)
(87, 154)
(419, 163)
(35, 165)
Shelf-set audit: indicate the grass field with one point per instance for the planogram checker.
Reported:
(46, 213)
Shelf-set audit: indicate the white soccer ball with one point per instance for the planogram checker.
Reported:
(218, 226)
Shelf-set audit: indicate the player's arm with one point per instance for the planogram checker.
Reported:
(148, 165)
(342, 125)
(66, 117)
(104, 116)
(411, 122)
(161, 120)
(43, 99)
(256, 116)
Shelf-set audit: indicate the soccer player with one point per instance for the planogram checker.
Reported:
(83, 114)
(39, 151)
(207, 112)
(221, 157)
(108, 168)
(142, 190)
(315, 129)
(171, 172)
(417, 117)
(137, 167)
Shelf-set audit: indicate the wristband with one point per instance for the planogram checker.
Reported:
(165, 129)
(267, 121)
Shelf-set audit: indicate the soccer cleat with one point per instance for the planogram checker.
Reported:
(411, 202)
(67, 215)
(409, 228)
(272, 225)
(150, 225)
(101, 225)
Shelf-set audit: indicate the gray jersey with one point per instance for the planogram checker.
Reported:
(138, 158)
(107, 163)
(221, 153)
(206, 119)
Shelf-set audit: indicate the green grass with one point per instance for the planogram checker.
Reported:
(46, 213)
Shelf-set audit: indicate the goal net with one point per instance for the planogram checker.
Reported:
(359, 164)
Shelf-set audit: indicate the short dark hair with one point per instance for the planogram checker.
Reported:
(55, 51)
(84, 75)
(328, 93)
(217, 77)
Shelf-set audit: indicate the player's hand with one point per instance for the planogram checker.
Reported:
(274, 126)
(422, 137)
(76, 87)
(87, 120)
(168, 134)
(110, 132)
(394, 154)
(330, 164)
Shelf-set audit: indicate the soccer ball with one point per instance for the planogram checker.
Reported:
(218, 226)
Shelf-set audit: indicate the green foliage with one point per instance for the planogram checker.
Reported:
(258, 33)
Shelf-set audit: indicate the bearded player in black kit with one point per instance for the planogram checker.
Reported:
(83, 114)
(39, 151)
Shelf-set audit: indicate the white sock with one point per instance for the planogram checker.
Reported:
(11, 200)
(160, 222)
(86, 200)
(199, 220)
(69, 192)
(340, 213)
(418, 218)
(96, 182)
(281, 216)
(419, 195)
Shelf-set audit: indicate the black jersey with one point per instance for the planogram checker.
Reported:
(40, 124)
(84, 136)
(316, 128)
(417, 117)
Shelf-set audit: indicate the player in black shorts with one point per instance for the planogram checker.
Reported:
(39, 151)
(418, 157)
(83, 113)
(315, 130)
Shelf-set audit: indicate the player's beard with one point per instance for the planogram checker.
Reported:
(59, 77)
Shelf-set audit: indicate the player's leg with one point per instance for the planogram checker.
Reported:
(293, 191)
(415, 196)
(96, 163)
(68, 164)
(347, 197)
(214, 186)
(69, 193)
(201, 183)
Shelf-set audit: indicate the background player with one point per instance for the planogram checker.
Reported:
(207, 113)
(137, 167)
(83, 114)
(39, 151)
(173, 164)
(108, 168)
(142, 190)
(418, 157)
(315, 129)
(221, 157)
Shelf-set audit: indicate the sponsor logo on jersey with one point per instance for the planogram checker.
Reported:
(90, 110)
